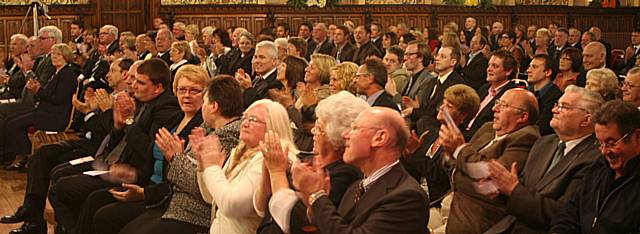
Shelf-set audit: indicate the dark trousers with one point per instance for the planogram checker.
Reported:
(50, 161)
(68, 196)
(111, 218)
(16, 138)
(8, 111)
(151, 222)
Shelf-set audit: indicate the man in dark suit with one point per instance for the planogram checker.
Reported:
(127, 151)
(474, 71)
(547, 93)
(633, 51)
(574, 38)
(343, 49)
(507, 139)
(96, 67)
(75, 31)
(388, 200)
(370, 80)
(98, 123)
(594, 56)
(163, 45)
(501, 69)
(264, 65)
(365, 48)
(560, 42)
(322, 43)
(555, 167)
(431, 96)
(376, 36)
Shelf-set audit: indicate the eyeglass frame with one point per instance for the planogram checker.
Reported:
(183, 90)
(354, 128)
(610, 146)
(251, 119)
(502, 104)
(560, 107)
(626, 83)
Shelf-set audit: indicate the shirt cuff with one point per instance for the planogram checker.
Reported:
(457, 151)
(280, 206)
(88, 116)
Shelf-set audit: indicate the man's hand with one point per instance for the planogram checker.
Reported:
(391, 86)
(125, 108)
(104, 100)
(505, 180)
(33, 85)
(243, 79)
(131, 193)
(122, 173)
(80, 106)
(411, 103)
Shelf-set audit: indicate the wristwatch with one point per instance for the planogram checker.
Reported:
(314, 196)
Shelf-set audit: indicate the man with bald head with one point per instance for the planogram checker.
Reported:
(593, 56)
(388, 200)
(507, 140)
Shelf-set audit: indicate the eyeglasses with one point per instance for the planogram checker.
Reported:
(612, 144)
(251, 119)
(626, 83)
(44, 38)
(358, 75)
(190, 91)
(563, 106)
(502, 105)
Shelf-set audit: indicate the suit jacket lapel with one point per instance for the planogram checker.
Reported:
(543, 159)
(566, 161)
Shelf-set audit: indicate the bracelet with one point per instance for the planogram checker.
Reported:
(314, 196)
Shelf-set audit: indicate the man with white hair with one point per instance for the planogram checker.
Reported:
(320, 36)
(178, 30)
(95, 68)
(12, 82)
(265, 60)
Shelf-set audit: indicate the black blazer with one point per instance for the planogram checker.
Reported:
(420, 167)
(54, 108)
(365, 51)
(486, 114)
(260, 89)
(545, 105)
(157, 113)
(325, 48)
(114, 46)
(45, 70)
(426, 114)
(386, 100)
(346, 54)
(166, 57)
(395, 203)
(15, 85)
(311, 44)
(475, 73)
(236, 61)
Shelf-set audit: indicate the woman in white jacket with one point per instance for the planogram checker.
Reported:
(230, 185)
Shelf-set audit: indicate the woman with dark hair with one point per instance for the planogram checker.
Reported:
(389, 39)
(221, 47)
(404, 40)
(569, 67)
(291, 71)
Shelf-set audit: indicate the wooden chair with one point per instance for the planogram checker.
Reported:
(41, 137)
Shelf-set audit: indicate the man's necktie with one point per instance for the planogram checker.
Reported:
(359, 192)
(557, 156)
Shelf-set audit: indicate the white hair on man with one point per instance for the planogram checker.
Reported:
(272, 50)
(52, 31)
(113, 30)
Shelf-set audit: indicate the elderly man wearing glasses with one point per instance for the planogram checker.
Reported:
(607, 203)
(558, 164)
(477, 204)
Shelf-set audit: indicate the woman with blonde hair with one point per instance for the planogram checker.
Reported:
(605, 82)
(316, 80)
(342, 77)
(230, 186)
(543, 37)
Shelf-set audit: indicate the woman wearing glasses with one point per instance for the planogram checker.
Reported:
(230, 186)
(108, 210)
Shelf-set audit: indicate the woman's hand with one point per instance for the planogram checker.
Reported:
(274, 155)
(169, 144)
(208, 152)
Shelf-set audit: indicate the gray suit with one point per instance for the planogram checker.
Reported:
(539, 196)
(418, 85)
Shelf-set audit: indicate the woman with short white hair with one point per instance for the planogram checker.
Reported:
(605, 82)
